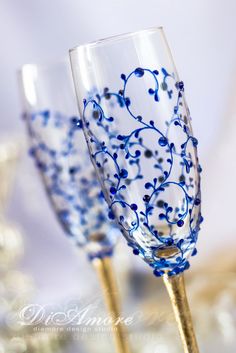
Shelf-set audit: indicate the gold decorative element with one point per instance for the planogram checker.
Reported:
(110, 292)
(97, 237)
(175, 286)
(11, 245)
(9, 154)
(167, 252)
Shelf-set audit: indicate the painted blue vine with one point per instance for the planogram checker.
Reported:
(166, 241)
(71, 181)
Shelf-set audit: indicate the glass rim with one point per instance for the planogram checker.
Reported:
(114, 38)
(44, 66)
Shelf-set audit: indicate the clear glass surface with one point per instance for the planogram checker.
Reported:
(137, 127)
(60, 153)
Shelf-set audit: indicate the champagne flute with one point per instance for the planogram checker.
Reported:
(137, 127)
(60, 153)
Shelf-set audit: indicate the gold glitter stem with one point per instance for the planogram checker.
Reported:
(110, 292)
(175, 286)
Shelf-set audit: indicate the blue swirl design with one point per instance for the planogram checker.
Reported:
(152, 188)
(70, 180)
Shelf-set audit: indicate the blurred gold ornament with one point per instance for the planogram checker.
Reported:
(34, 342)
(16, 345)
(11, 245)
(9, 155)
(19, 288)
(16, 288)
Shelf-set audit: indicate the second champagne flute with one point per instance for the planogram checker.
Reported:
(60, 153)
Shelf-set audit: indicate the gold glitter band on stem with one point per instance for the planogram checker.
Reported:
(110, 292)
(175, 286)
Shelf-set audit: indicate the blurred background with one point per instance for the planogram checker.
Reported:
(201, 35)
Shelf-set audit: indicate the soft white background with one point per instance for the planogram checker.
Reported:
(202, 37)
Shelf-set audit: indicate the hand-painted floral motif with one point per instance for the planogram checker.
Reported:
(141, 144)
(60, 153)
